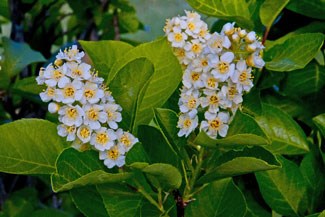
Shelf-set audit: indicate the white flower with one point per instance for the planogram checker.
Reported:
(40, 79)
(250, 37)
(177, 37)
(180, 53)
(231, 96)
(228, 29)
(255, 60)
(103, 139)
(193, 48)
(242, 77)
(216, 124)
(125, 140)
(113, 112)
(201, 63)
(113, 157)
(84, 133)
(94, 115)
(70, 92)
(67, 131)
(91, 93)
(71, 115)
(189, 103)
(192, 26)
(79, 145)
(192, 78)
(223, 68)
(210, 82)
(56, 76)
(217, 42)
(53, 107)
(79, 71)
(71, 54)
(107, 98)
(211, 100)
(186, 124)
(49, 94)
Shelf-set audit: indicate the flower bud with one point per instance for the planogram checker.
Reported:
(250, 37)
(242, 33)
(251, 47)
(53, 107)
(58, 62)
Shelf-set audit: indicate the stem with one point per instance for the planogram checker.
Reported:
(265, 35)
(117, 35)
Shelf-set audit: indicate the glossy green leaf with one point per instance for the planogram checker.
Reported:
(220, 198)
(121, 201)
(295, 53)
(17, 56)
(319, 121)
(270, 9)
(77, 169)
(243, 130)
(231, 10)
(91, 204)
(137, 154)
(313, 172)
(283, 189)
(254, 208)
(165, 175)
(165, 79)
(286, 135)
(304, 81)
(155, 145)
(235, 163)
(310, 8)
(33, 151)
(50, 212)
(252, 104)
(105, 53)
(128, 88)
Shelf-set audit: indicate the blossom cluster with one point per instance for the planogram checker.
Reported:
(87, 111)
(217, 71)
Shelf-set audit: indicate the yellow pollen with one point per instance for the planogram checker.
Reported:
(202, 32)
(111, 115)
(84, 132)
(195, 76)
(204, 62)
(70, 129)
(243, 76)
(102, 138)
(92, 114)
(214, 100)
(217, 44)
(178, 37)
(50, 91)
(89, 93)
(125, 140)
(57, 74)
(77, 72)
(196, 48)
(223, 67)
(212, 82)
(113, 153)
(187, 123)
(191, 26)
(72, 113)
(69, 91)
(232, 92)
(191, 103)
(215, 124)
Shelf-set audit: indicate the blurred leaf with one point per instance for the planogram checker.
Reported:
(155, 145)
(286, 135)
(270, 9)
(29, 146)
(17, 57)
(319, 121)
(121, 201)
(252, 104)
(309, 8)
(243, 130)
(129, 21)
(90, 205)
(27, 86)
(270, 79)
(283, 189)
(235, 163)
(227, 201)
(165, 79)
(165, 175)
(320, 58)
(105, 53)
(312, 171)
(254, 209)
(4, 9)
(295, 52)
(137, 154)
(231, 10)
(77, 169)
(50, 212)
(304, 81)
(128, 88)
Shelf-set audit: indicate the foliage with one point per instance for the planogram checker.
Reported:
(271, 162)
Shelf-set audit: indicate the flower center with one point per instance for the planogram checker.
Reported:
(204, 62)
(72, 113)
(77, 72)
(191, 26)
(92, 114)
(191, 103)
(178, 37)
(50, 91)
(232, 92)
(84, 132)
(71, 129)
(243, 76)
(214, 100)
(187, 123)
(212, 82)
(223, 67)
(125, 140)
(202, 33)
(196, 48)
(69, 91)
(195, 76)
(102, 138)
(215, 124)
(57, 74)
(113, 154)
(89, 93)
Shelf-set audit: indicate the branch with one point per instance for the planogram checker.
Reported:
(117, 35)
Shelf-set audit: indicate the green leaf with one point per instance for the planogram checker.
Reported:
(231, 10)
(286, 135)
(33, 151)
(17, 56)
(4, 9)
(283, 189)
(243, 130)
(252, 104)
(27, 86)
(310, 8)
(49, 212)
(319, 121)
(235, 163)
(121, 201)
(89, 201)
(166, 78)
(129, 21)
(105, 53)
(295, 52)
(167, 176)
(313, 172)
(254, 208)
(270, 9)
(304, 81)
(227, 201)
(128, 88)
(77, 169)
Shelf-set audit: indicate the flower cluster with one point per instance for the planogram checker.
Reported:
(87, 111)
(217, 71)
